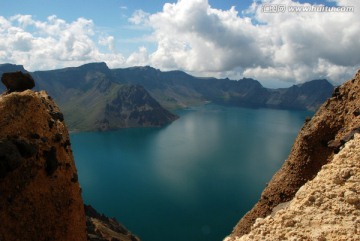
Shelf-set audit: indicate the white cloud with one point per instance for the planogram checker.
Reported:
(193, 36)
(139, 17)
(53, 43)
(139, 58)
(109, 42)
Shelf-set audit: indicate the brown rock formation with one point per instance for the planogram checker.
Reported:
(335, 123)
(17, 81)
(40, 197)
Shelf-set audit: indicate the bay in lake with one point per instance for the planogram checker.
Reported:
(191, 180)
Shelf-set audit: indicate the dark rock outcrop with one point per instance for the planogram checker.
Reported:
(335, 123)
(102, 228)
(17, 81)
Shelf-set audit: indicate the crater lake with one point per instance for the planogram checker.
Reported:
(191, 180)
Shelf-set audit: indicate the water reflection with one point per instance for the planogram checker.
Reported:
(182, 152)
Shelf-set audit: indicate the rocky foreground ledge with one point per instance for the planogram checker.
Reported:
(325, 208)
(40, 196)
(318, 183)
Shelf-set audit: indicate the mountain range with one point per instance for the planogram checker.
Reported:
(94, 97)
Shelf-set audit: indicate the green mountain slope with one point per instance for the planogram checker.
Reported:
(91, 100)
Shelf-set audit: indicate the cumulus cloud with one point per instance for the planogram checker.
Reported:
(290, 46)
(53, 43)
(139, 17)
(139, 58)
(109, 42)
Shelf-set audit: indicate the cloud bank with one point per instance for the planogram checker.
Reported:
(193, 36)
(290, 46)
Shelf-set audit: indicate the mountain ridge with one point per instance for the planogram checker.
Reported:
(186, 90)
(94, 86)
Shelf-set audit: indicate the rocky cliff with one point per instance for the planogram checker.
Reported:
(318, 185)
(40, 196)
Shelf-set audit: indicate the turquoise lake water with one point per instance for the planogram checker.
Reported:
(191, 180)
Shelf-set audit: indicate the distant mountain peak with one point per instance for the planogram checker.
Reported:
(145, 68)
(251, 81)
(316, 82)
(11, 68)
(96, 66)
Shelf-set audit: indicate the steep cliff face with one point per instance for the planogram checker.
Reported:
(318, 141)
(40, 197)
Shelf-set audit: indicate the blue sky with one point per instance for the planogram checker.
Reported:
(221, 38)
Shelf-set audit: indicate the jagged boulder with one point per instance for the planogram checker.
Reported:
(17, 81)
